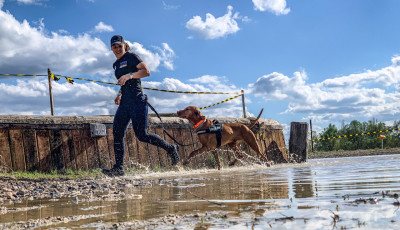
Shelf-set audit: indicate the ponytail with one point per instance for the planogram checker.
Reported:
(127, 48)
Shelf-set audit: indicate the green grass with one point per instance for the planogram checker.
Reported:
(69, 174)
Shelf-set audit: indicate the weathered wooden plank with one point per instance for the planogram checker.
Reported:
(177, 134)
(143, 153)
(92, 157)
(154, 159)
(162, 154)
(30, 149)
(169, 140)
(265, 142)
(58, 162)
(269, 145)
(186, 138)
(5, 153)
(110, 142)
(43, 145)
(68, 149)
(260, 141)
(4, 126)
(153, 155)
(274, 147)
(45, 126)
(79, 148)
(17, 150)
(102, 150)
(267, 137)
(196, 145)
(275, 152)
(281, 144)
(131, 152)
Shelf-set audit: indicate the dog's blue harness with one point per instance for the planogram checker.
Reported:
(215, 128)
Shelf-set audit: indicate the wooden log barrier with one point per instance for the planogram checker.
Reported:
(298, 146)
(45, 143)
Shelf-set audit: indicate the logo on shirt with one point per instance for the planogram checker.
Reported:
(123, 64)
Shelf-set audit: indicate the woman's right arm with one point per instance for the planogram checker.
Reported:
(143, 71)
(117, 100)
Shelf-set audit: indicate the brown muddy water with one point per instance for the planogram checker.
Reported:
(333, 193)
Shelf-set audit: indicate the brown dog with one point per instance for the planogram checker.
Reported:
(232, 134)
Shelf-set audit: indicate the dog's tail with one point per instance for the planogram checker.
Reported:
(253, 123)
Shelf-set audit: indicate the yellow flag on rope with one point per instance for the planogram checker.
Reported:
(69, 80)
(54, 77)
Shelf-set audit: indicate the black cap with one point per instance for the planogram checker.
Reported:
(117, 39)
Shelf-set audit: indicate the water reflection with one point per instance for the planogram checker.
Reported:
(302, 184)
(284, 196)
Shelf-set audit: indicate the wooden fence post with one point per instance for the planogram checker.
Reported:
(298, 146)
(244, 106)
(50, 92)
(312, 142)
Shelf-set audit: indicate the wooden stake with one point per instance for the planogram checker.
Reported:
(298, 146)
(244, 107)
(312, 142)
(50, 92)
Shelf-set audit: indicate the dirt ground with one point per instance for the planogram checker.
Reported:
(354, 153)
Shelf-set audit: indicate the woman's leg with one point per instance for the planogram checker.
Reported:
(138, 115)
(121, 120)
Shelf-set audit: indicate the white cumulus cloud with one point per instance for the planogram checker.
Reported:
(101, 27)
(278, 7)
(31, 49)
(364, 95)
(35, 49)
(163, 56)
(213, 28)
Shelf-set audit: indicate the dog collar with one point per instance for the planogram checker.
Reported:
(199, 124)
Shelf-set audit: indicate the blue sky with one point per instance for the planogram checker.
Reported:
(329, 61)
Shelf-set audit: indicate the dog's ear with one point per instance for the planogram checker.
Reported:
(198, 113)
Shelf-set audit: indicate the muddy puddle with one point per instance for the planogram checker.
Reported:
(340, 193)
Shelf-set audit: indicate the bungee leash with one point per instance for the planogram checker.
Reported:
(165, 131)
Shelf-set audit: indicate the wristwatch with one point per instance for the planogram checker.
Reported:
(130, 75)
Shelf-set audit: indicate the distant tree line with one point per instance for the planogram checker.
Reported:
(353, 142)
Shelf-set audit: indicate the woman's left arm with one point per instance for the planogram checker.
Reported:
(143, 71)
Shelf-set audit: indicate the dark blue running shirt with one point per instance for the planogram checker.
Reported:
(132, 90)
